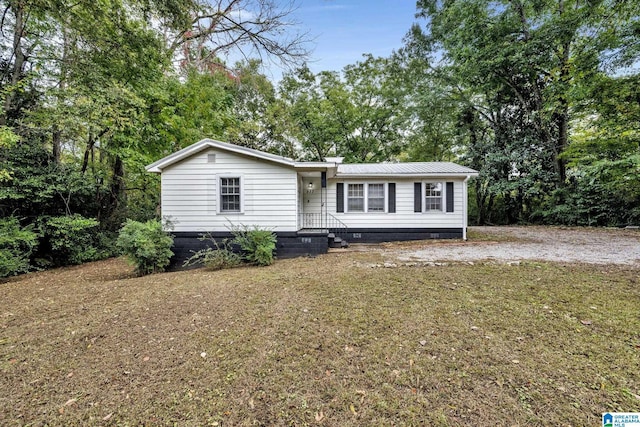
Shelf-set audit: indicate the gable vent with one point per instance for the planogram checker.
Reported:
(211, 158)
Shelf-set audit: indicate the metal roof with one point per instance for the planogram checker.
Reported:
(343, 170)
(409, 168)
(210, 143)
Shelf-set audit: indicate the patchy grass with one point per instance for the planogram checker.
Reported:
(320, 341)
(475, 235)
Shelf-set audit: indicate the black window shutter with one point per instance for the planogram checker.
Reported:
(449, 196)
(340, 197)
(392, 197)
(417, 197)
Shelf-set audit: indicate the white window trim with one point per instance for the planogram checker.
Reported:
(443, 198)
(366, 197)
(385, 197)
(219, 194)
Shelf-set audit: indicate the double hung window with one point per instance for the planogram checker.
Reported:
(355, 198)
(433, 197)
(375, 198)
(366, 197)
(230, 194)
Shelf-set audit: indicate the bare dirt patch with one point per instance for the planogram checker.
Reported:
(513, 244)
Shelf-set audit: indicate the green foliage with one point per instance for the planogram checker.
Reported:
(89, 95)
(533, 106)
(357, 114)
(16, 245)
(218, 257)
(196, 107)
(606, 193)
(8, 139)
(70, 239)
(255, 244)
(146, 245)
(42, 187)
(258, 245)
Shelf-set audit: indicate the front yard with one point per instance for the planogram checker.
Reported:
(325, 341)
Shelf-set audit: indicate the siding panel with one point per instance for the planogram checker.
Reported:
(404, 217)
(189, 193)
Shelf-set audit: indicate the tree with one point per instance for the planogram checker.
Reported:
(377, 98)
(90, 95)
(258, 122)
(604, 157)
(357, 115)
(247, 28)
(522, 66)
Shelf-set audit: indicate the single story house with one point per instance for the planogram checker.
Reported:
(210, 186)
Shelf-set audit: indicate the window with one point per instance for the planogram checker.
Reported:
(433, 196)
(375, 198)
(355, 198)
(362, 197)
(230, 195)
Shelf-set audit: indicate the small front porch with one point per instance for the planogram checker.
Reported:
(313, 216)
(324, 225)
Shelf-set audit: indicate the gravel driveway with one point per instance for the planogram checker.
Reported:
(512, 244)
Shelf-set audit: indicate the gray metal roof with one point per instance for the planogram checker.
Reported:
(210, 143)
(415, 168)
(354, 170)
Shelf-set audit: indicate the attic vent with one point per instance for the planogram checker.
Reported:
(211, 158)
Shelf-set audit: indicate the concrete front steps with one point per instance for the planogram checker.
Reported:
(337, 242)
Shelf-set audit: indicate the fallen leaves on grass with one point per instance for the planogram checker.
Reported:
(405, 352)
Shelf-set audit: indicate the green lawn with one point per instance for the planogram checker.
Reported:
(322, 341)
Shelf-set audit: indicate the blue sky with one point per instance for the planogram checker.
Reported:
(344, 30)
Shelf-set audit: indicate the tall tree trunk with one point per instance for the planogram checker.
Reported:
(20, 57)
(117, 184)
(56, 150)
(56, 139)
(562, 116)
(481, 198)
(563, 140)
(88, 149)
(562, 119)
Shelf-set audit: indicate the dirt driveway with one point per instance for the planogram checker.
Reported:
(514, 244)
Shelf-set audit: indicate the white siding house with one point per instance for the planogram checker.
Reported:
(212, 186)
(191, 188)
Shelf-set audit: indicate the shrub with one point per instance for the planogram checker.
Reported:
(146, 245)
(257, 244)
(218, 258)
(106, 244)
(70, 239)
(16, 245)
(257, 247)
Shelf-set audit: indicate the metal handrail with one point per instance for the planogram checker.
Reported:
(323, 221)
(313, 221)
